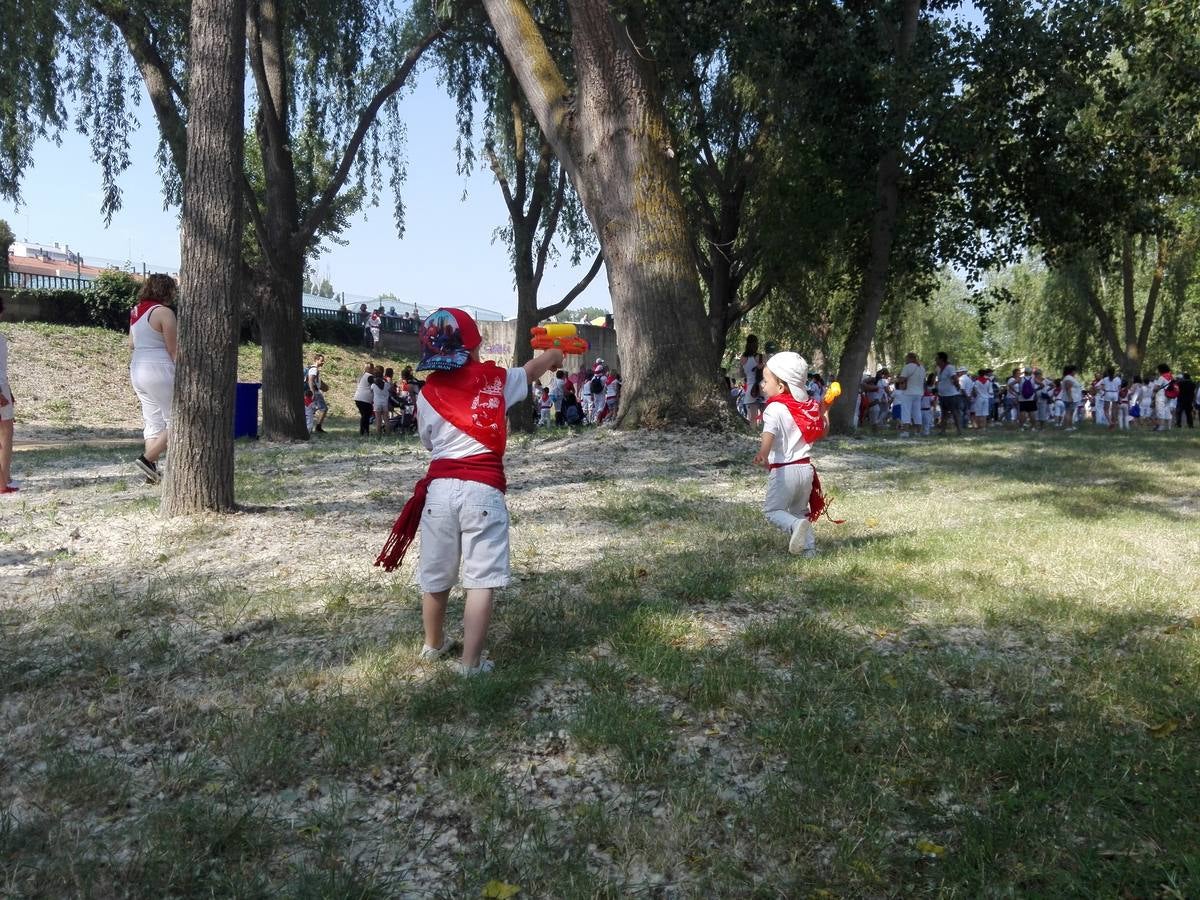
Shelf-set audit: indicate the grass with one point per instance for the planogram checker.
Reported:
(985, 685)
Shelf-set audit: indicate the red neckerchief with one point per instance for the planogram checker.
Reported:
(143, 307)
(472, 400)
(806, 413)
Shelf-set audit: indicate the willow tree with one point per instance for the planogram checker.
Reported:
(609, 130)
(543, 211)
(325, 76)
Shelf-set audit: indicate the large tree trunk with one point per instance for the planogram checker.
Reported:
(883, 229)
(615, 143)
(200, 476)
(281, 326)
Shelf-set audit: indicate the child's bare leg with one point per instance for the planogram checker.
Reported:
(476, 617)
(433, 615)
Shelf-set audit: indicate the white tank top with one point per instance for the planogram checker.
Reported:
(148, 344)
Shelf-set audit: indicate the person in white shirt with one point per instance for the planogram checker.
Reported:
(981, 398)
(910, 387)
(792, 423)
(459, 507)
(1072, 396)
(949, 396)
(1110, 390)
(1162, 403)
(364, 399)
(380, 397)
(6, 418)
(966, 384)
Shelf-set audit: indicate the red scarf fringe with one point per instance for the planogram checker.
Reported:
(486, 468)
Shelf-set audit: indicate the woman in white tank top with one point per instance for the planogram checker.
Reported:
(152, 334)
(6, 417)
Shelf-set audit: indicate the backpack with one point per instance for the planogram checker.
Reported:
(1171, 391)
(1027, 389)
(597, 385)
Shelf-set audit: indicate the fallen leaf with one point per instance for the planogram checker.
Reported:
(872, 522)
(1161, 731)
(499, 890)
(1173, 629)
(890, 680)
(929, 848)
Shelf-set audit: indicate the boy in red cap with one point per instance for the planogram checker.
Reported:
(459, 504)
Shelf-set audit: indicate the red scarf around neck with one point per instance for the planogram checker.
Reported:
(806, 413)
(143, 307)
(472, 400)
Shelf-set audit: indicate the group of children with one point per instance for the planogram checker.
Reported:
(1026, 398)
(459, 509)
(587, 397)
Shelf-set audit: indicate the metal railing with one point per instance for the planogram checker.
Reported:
(24, 281)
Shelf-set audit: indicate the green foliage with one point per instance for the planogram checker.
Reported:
(332, 331)
(109, 298)
(6, 239)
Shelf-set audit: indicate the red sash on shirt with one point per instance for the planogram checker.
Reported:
(472, 400)
(806, 413)
(143, 307)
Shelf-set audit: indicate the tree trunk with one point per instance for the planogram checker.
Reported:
(883, 229)
(520, 417)
(200, 476)
(281, 326)
(614, 141)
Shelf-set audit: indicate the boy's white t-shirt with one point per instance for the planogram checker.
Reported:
(789, 443)
(1110, 387)
(446, 441)
(610, 389)
(1070, 389)
(380, 395)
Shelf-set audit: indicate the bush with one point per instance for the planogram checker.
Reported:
(109, 299)
(56, 307)
(332, 331)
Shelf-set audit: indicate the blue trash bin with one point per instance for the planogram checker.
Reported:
(245, 410)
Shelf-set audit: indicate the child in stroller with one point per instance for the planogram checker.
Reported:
(404, 403)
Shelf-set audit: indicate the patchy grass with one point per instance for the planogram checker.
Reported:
(985, 685)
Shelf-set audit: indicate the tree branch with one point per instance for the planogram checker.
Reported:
(316, 215)
(1160, 268)
(1107, 327)
(514, 209)
(555, 308)
(260, 42)
(543, 251)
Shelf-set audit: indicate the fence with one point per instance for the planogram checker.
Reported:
(23, 281)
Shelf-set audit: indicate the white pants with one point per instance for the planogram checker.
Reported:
(926, 421)
(910, 409)
(467, 521)
(786, 503)
(154, 384)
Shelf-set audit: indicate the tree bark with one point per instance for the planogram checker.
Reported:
(883, 229)
(200, 475)
(612, 137)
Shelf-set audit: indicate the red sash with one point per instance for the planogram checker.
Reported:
(807, 415)
(486, 468)
(472, 400)
(143, 307)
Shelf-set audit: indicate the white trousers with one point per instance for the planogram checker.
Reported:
(910, 409)
(154, 384)
(787, 498)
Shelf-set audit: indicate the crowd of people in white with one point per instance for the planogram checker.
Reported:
(917, 400)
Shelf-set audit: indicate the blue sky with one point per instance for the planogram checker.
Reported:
(446, 257)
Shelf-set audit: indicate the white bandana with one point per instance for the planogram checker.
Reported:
(792, 370)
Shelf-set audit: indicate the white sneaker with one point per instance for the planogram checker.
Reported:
(431, 654)
(485, 666)
(801, 532)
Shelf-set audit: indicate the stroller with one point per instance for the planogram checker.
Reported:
(405, 420)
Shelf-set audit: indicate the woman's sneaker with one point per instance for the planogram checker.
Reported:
(149, 469)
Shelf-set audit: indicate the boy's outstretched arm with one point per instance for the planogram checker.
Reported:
(764, 448)
(543, 363)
